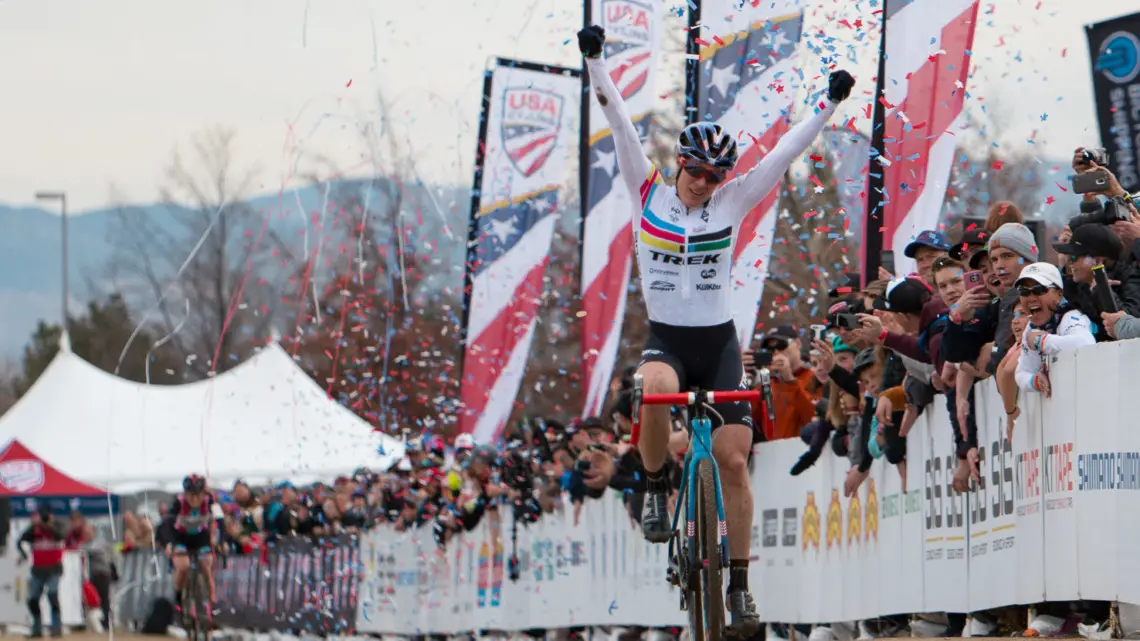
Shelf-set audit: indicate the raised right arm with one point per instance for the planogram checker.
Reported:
(634, 165)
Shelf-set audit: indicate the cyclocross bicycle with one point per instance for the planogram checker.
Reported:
(698, 557)
(197, 619)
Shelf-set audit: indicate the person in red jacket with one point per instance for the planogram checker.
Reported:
(45, 539)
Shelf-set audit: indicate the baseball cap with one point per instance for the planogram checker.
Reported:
(1042, 273)
(927, 238)
(907, 295)
(838, 346)
(779, 337)
(1015, 237)
(972, 239)
(1096, 241)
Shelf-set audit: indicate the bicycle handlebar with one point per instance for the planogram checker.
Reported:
(683, 398)
(689, 398)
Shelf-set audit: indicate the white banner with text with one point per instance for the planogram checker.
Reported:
(1049, 521)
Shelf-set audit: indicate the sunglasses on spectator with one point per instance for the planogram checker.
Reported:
(1034, 290)
(698, 171)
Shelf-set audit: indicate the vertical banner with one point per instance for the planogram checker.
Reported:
(1114, 48)
(527, 132)
(745, 83)
(923, 89)
(632, 46)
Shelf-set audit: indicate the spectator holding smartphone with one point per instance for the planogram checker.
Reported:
(793, 402)
(1088, 246)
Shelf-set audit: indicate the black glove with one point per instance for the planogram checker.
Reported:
(807, 459)
(838, 85)
(590, 41)
(821, 430)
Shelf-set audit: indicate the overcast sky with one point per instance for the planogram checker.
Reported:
(99, 93)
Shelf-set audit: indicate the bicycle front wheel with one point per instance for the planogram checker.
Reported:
(711, 572)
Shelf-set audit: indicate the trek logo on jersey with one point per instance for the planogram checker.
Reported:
(670, 259)
(532, 119)
(629, 36)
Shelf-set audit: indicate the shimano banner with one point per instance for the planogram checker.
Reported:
(1114, 47)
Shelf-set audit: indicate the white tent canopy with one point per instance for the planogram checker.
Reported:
(264, 420)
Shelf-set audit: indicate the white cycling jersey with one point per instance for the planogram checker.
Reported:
(685, 256)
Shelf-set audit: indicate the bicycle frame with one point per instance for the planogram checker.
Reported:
(700, 448)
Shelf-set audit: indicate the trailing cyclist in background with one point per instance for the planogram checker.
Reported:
(684, 238)
(192, 518)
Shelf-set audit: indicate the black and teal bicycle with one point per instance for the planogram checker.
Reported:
(698, 556)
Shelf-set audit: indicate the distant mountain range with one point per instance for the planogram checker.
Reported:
(30, 265)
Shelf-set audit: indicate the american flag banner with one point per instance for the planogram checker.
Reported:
(632, 46)
(746, 84)
(527, 130)
(927, 47)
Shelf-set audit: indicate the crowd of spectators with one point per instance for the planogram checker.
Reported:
(983, 305)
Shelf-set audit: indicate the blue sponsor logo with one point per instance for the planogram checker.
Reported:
(1119, 57)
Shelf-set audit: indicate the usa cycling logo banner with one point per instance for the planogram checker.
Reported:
(532, 119)
(629, 34)
(22, 476)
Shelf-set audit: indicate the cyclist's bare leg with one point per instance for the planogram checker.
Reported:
(730, 447)
(731, 444)
(657, 378)
(181, 569)
(206, 563)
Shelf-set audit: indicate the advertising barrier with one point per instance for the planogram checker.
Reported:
(1050, 520)
(299, 585)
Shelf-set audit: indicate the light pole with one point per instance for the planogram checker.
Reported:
(62, 198)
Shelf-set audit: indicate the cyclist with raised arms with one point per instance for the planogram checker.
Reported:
(684, 237)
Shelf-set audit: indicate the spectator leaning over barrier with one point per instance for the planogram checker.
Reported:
(793, 404)
(280, 515)
(1005, 377)
(920, 317)
(957, 382)
(840, 405)
(1054, 326)
(45, 539)
(1088, 246)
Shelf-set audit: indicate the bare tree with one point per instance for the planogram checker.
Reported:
(203, 259)
(811, 248)
(9, 379)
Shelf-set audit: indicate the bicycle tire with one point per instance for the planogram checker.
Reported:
(202, 612)
(711, 572)
(190, 603)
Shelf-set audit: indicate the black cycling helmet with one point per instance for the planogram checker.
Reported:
(194, 483)
(865, 359)
(707, 143)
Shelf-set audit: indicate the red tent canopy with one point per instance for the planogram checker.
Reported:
(22, 473)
